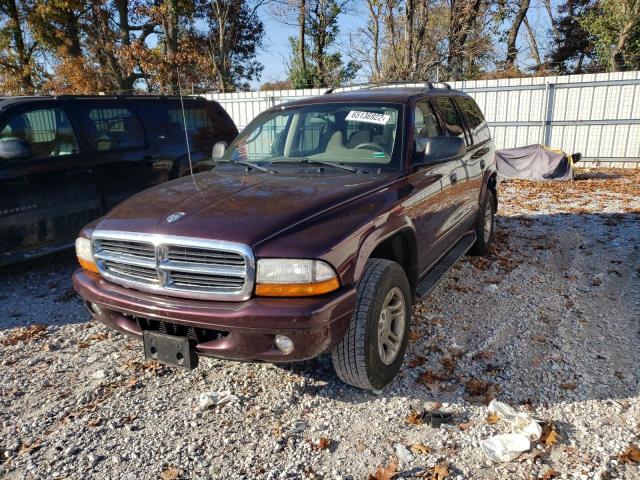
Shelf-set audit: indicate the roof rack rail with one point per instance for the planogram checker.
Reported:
(426, 84)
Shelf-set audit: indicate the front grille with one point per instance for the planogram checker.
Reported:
(180, 266)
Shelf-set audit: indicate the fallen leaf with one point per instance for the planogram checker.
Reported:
(170, 473)
(483, 355)
(414, 418)
(323, 443)
(568, 386)
(420, 448)
(99, 336)
(429, 376)
(549, 474)
(531, 455)
(386, 473)
(464, 426)
(438, 472)
(416, 362)
(631, 454)
(493, 418)
(476, 387)
(549, 435)
(414, 335)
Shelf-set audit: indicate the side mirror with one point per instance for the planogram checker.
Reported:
(218, 150)
(438, 149)
(14, 149)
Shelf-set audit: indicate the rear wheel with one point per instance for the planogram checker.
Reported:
(371, 353)
(485, 224)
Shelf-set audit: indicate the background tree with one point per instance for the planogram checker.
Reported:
(615, 28)
(572, 49)
(19, 71)
(231, 39)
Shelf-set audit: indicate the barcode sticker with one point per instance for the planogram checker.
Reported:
(368, 117)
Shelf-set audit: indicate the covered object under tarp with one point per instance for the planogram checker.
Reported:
(534, 162)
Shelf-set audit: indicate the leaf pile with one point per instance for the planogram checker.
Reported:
(25, 335)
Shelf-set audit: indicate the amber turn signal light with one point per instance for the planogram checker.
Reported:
(297, 289)
(87, 265)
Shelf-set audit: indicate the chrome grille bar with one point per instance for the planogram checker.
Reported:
(173, 265)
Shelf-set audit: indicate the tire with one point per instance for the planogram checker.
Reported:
(486, 219)
(357, 359)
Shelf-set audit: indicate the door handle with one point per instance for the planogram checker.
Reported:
(453, 177)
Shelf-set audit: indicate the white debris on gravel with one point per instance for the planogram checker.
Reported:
(558, 340)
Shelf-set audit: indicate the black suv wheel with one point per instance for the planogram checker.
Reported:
(371, 353)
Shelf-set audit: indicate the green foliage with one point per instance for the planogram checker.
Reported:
(607, 23)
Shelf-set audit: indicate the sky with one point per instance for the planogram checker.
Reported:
(276, 42)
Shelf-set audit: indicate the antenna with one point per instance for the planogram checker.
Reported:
(186, 135)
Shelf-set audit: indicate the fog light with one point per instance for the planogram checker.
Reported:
(95, 309)
(284, 344)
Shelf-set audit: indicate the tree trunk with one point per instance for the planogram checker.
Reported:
(617, 58)
(23, 55)
(171, 43)
(301, 32)
(375, 32)
(512, 50)
(535, 52)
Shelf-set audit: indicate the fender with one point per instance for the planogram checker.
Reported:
(393, 225)
(489, 182)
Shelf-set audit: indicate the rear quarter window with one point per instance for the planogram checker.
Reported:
(205, 123)
(475, 120)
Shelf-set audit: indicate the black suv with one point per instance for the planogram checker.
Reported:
(67, 160)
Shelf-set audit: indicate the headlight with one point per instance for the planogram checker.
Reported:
(84, 254)
(286, 277)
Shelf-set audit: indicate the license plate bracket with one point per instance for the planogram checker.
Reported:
(169, 349)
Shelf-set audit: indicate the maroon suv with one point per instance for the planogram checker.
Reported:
(318, 228)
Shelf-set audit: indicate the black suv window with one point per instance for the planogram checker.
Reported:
(426, 124)
(47, 131)
(452, 121)
(475, 121)
(114, 128)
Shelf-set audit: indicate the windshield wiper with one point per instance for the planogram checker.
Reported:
(248, 164)
(317, 162)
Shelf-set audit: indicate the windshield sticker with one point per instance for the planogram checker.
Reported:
(378, 155)
(368, 117)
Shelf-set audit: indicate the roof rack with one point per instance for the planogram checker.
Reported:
(426, 84)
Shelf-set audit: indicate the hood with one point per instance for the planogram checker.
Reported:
(230, 204)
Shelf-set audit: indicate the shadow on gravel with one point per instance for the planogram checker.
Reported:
(40, 292)
(563, 324)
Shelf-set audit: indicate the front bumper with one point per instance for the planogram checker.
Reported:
(314, 324)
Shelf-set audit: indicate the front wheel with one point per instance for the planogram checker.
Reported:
(371, 353)
(485, 224)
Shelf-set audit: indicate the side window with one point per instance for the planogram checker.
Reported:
(452, 120)
(196, 119)
(477, 125)
(426, 124)
(114, 128)
(48, 132)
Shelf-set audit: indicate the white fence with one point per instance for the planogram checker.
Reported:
(595, 114)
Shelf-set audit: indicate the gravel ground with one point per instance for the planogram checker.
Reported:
(549, 323)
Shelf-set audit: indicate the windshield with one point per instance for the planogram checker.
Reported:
(347, 133)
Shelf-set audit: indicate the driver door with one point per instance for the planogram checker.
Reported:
(432, 205)
(49, 194)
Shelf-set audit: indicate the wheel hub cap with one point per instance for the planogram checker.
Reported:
(391, 325)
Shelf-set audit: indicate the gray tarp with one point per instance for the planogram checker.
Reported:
(534, 162)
